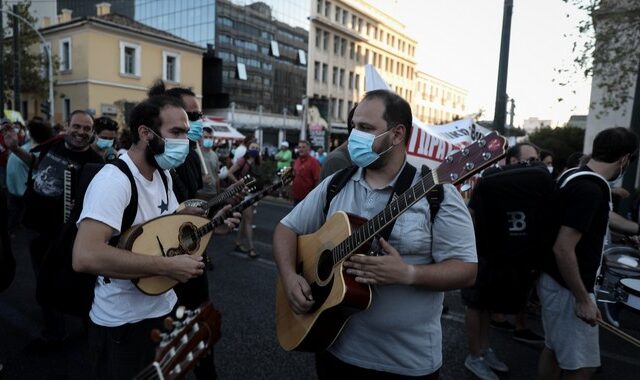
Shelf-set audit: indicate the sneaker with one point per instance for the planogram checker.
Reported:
(493, 362)
(502, 325)
(611, 313)
(528, 336)
(480, 368)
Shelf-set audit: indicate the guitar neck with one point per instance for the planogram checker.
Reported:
(231, 191)
(391, 212)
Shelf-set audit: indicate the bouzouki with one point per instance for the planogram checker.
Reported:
(181, 234)
(243, 185)
(185, 344)
(320, 256)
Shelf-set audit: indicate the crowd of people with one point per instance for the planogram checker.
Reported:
(530, 235)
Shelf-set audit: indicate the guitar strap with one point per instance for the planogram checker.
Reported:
(402, 184)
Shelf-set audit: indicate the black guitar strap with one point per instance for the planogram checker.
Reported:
(402, 184)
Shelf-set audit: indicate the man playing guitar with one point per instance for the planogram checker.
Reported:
(121, 316)
(399, 335)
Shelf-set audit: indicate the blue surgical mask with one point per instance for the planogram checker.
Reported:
(195, 130)
(104, 143)
(175, 152)
(361, 148)
(253, 153)
(207, 143)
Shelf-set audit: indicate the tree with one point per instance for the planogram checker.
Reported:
(33, 62)
(607, 47)
(561, 142)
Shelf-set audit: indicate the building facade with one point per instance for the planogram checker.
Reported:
(437, 101)
(344, 36)
(108, 62)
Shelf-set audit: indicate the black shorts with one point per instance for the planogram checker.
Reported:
(500, 287)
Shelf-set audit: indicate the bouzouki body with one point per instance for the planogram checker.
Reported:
(158, 237)
(336, 297)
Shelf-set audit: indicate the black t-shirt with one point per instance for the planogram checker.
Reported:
(582, 204)
(48, 177)
(189, 176)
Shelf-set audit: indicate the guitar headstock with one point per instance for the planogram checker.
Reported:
(286, 175)
(247, 182)
(188, 340)
(471, 159)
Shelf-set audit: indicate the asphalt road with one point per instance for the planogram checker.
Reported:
(243, 291)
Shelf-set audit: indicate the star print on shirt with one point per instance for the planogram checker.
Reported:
(163, 207)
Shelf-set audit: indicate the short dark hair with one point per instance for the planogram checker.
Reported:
(544, 154)
(159, 88)
(147, 113)
(612, 144)
(516, 151)
(350, 118)
(77, 112)
(207, 129)
(105, 123)
(305, 142)
(573, 161)
(396, 110)
(39, 130)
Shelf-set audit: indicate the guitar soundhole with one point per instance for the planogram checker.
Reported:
(188, 239)
(325, 265)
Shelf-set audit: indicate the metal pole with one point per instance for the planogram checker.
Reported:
(305, 106)
(512, 113)
(48, 50)
(259, 131)
(16, 64)
(499, 117)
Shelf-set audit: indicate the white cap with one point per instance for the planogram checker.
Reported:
(284, 144)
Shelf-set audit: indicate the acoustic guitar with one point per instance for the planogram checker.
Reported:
(320, 256)
(243, 185)
(181, 234)
(187, 341)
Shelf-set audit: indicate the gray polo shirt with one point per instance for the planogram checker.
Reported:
(400, 332)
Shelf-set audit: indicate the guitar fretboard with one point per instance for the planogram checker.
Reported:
(376, 224)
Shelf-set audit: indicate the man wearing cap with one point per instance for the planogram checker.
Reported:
(283, 157)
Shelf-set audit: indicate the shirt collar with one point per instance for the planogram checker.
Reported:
(360, 173)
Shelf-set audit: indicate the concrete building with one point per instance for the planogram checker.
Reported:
(437, 101)
(108, 61)
(577, 121)
(345, 35)
(533, 123)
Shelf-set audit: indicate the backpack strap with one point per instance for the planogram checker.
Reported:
(576, 172)
(435, 196)
(336, 184)
(131, 210)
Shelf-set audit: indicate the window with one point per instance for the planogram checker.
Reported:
(350, 80)
(319, 6)
(302, 57)
(65, 54)
(357, 84)
(349, 106)
(327, 9)
(338, 12)
(325, 40)
(354, 22)
(334, 80)
(66, 109)
(360, 25)
(343, 47)
(333, 105)
(345, 15)
(171, 66)
(341, 79)
(316, 70)
(340, 106)
(352, 48)
(325, 68)
(130, 58)
(275, 50)
(358, 51)
(336, 45)
(318, 37)
(241, 71)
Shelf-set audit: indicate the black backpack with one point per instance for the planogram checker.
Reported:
(58, 285)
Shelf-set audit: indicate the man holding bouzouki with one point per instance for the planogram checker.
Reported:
(121, 315)
(399, 334)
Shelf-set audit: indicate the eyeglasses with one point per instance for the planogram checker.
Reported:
(194, 116)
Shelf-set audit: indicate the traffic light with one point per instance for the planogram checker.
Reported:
(45, 109)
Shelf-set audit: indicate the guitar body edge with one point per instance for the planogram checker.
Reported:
(338, 298)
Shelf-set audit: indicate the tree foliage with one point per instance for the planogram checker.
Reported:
(33, 62)
(561, 142)
(613, 56)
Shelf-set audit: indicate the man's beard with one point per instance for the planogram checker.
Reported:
(383, 158)
(154, 146)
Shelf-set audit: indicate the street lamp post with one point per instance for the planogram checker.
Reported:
(48, 51)
(303, 128)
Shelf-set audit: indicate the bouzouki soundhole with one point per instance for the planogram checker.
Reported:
(187, 238)
(325, 265)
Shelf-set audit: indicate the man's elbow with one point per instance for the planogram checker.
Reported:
(469, 275)
(80, 260)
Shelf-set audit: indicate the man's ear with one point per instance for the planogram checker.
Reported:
(399, 133)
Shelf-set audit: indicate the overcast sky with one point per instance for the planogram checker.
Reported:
(459, 41)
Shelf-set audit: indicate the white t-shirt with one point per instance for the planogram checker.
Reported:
(120, 302)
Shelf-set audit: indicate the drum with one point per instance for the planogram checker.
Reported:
(631, 287)
(618, 262)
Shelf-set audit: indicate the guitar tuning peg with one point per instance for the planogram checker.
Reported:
(156, 336)
(168, 323)
(180, 312)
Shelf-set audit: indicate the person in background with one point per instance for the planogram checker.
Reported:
(284, 156)
(240, 168)
(241, 150)
(124, 141)
(17, 171)
(321, 155)
(338, 158)
(211, 181)
(547, 158)
(58, 129)
(106, 132)
(306, 173)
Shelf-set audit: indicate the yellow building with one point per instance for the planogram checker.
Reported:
(108, 61)
(437, 101)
